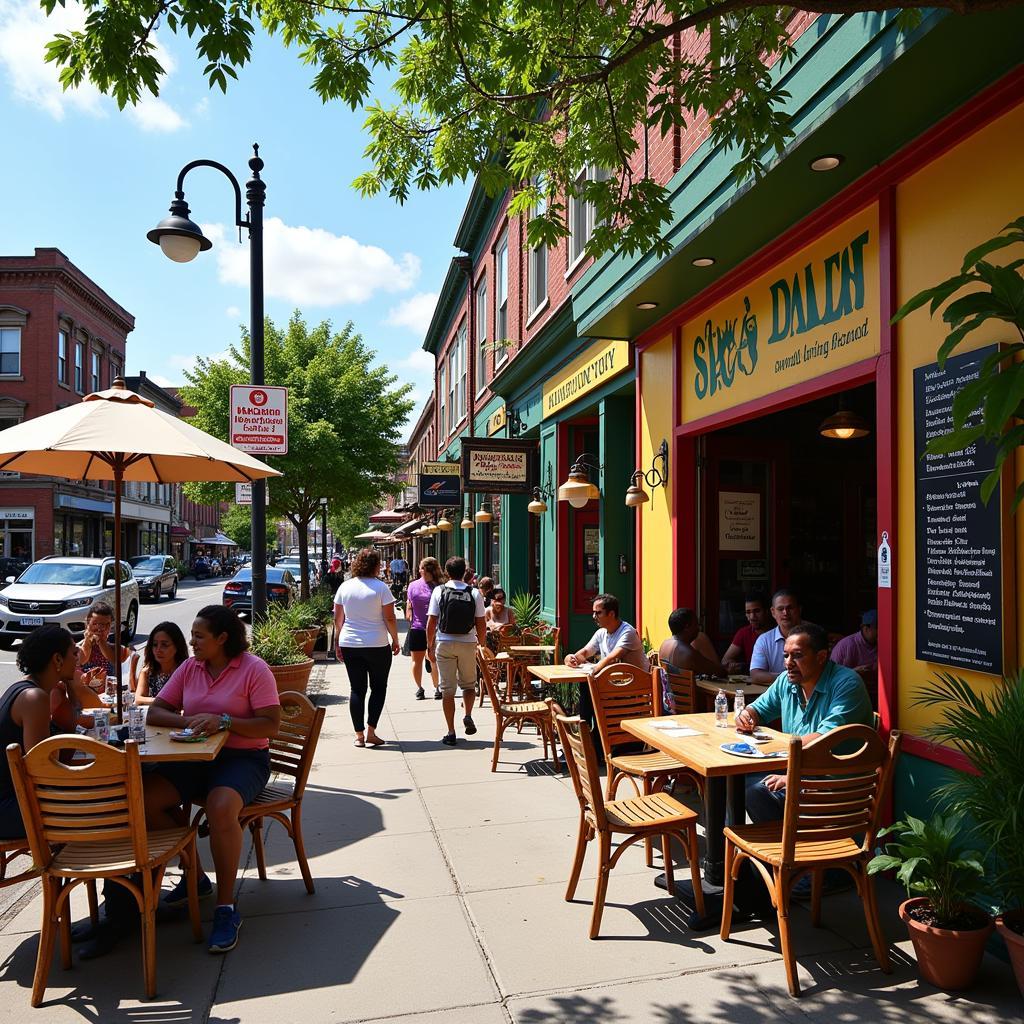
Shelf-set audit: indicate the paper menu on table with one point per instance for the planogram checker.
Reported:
(671, 728)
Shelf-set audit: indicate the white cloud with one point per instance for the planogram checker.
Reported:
(312, 267)
(233, 312)
(418, 362)
(161, 381)
(414, 313)
(24, 32)
(189, 362)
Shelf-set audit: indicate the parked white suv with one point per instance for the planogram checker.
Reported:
(60, 590)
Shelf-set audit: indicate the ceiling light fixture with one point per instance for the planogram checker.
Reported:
(647, 305)
(829, 162)
(703, 261)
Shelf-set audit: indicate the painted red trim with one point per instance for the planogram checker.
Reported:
(675, 466)
(561, 539)
(929, 751)
(843, 379)
(965, 121)
(886, 484)
(638, 514)
(684, 522)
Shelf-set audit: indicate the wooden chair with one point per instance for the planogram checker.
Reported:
(682, 685)
(831, 799)
(9, 850)
(638, 818)
(86, 821)
(506, 714)
(291, 754)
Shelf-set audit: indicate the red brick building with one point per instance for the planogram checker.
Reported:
(61, 337)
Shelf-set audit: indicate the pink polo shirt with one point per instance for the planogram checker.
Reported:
(244, 684)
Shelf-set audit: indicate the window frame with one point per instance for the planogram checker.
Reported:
(95, 369)
(80, 367)
(63, 340)
(16, 331)
(462, 347)
(580, 207)
(441, 392)
(480, 348)
(501, 299)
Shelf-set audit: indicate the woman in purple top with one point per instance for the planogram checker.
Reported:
(418, 597)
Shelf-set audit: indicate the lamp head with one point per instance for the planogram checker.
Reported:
(179, 237)
(578, 489)
(444, 524)
(538, 506)
(635, 495)
(844, 425)
(467, 523)
(482, 515)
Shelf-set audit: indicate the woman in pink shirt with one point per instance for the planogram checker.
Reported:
(221, 688)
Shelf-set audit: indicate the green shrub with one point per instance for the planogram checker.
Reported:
(272, 641)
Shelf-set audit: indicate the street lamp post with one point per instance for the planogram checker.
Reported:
(324, 563)
(181, 240)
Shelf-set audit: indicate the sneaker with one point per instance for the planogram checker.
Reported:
(224, 935)
(178, 896)
(448, 739)
(470, 725)
(438, 695)
(420, 695)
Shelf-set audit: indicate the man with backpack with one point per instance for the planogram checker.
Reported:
(455, 625)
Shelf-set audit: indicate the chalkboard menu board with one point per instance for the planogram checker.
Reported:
(959, 547)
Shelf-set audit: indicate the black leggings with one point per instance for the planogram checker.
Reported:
(367, 666)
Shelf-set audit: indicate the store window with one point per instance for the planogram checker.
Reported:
(18, 537)
(481, 334)
(62, 357)
(501, 299)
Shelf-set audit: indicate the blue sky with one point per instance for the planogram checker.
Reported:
(91, 180)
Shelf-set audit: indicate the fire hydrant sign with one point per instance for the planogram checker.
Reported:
(259, 419)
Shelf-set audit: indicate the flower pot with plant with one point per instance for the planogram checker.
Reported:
(947, 930)
(989, 730)
(272, 640)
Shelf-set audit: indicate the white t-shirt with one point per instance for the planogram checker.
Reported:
(362, 599)
(626, 640)
(435, 609)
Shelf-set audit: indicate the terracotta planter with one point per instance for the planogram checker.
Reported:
(306, 639)
(292, 677)
(1014, 942)
(946, 957)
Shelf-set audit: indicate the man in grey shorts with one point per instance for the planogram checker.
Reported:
(455, 625)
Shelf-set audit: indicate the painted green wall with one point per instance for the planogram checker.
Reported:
(617, 430)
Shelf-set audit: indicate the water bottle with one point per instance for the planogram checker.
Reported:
(721, 710)
(739, 703)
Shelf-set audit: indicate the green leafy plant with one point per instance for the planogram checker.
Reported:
(986, 407)
(272, 641)
(930, 860)
(299, 615)
(527, 609)
(989, 730)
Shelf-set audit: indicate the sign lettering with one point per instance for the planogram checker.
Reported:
(259, 419)
(595, 366)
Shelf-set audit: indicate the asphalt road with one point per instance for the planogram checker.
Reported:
(191, 597)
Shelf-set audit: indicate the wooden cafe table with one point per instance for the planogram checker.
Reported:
(725, 776)
(160, 747)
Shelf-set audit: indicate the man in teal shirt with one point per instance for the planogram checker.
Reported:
(812, 696)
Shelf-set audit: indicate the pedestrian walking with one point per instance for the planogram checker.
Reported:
(455, 624)
(364, 617)
(418, 598)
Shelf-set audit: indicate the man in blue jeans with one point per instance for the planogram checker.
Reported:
(812, 696)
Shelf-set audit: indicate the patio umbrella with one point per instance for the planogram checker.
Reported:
(374, 535)
(118, 435)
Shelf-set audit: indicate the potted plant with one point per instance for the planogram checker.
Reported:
(989, 731)
(272, 640)
(947, 930)
(303, 620)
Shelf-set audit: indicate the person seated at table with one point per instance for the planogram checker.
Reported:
(812, 696)
(165, 650)
(766, 659)
(859, 651)
(614, 641)
(498, 614)
(221, 688)
(96, 650)
(36, 707)
(677, 653)
(739, 653)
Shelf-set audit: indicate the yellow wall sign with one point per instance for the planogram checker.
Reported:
(595, 366)
(814, 313)
(496, 420)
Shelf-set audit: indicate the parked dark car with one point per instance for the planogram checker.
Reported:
(282, 588)
(157, 575)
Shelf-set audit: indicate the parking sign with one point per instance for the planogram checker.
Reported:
(259, 419)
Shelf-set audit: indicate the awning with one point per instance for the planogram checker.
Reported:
(377, 535)
(409, 525)
(180, 531)
(219, 538)
(387, 515)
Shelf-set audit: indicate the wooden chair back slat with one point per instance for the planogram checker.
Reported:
(95, 799)
(581, 758)
(293, 748)
(683, 686)
(619, 692)
(832, 795)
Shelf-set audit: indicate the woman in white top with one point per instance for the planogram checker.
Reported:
(364, 618)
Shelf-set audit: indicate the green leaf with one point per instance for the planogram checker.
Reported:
(992, 245)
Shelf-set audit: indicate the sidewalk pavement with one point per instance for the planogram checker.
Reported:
(439, 900)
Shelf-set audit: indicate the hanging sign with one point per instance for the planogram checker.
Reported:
(243, 494)
(885, 563)
(497, 466)
(739, 521)
(440, 485)
(259, 419)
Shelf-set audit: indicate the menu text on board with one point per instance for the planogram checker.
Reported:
(959, 549)
(259, 419)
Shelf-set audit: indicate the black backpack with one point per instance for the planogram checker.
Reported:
(457, 611)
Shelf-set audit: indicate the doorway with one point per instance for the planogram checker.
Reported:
(787, 507)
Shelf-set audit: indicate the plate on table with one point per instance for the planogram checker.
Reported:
(186, 736)
(750, 750)
(741, 679)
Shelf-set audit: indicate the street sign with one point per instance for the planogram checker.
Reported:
(259, 419)
(243, 494)
(440, 485)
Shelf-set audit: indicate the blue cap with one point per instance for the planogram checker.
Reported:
(869, 618)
